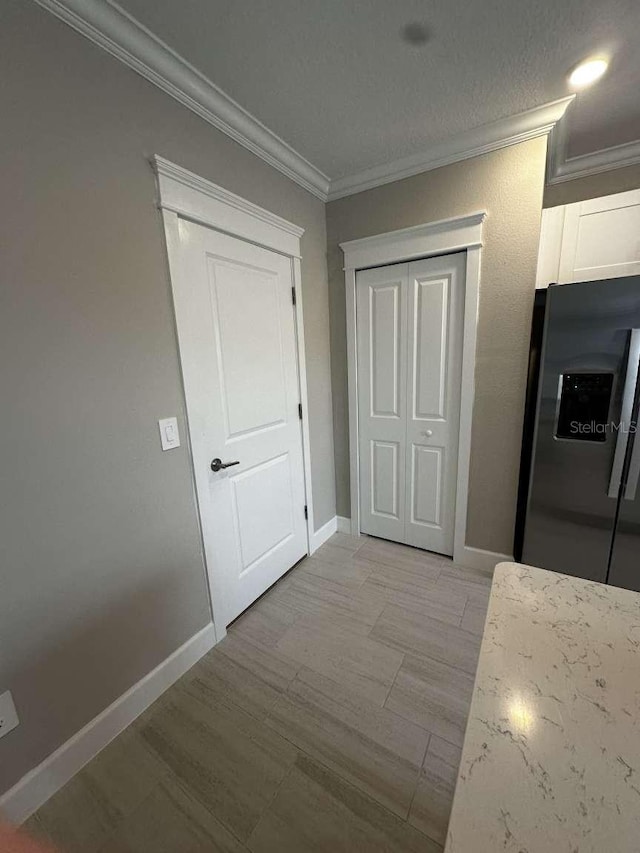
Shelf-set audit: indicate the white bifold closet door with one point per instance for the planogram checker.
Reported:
(409, 329)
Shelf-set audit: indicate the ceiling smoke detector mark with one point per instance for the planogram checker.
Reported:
(415, 34)
(8, 714)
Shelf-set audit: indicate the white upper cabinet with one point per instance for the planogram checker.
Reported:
(590, 240)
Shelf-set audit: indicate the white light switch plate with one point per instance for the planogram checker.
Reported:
(169, 435)
(8, 715)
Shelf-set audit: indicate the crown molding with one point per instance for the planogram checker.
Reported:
(481, 140)
(114, 30)
(561, 168)
(125, 38)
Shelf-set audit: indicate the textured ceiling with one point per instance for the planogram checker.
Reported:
(337, 81)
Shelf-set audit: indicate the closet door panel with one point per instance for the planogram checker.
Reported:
(435, 305)
(382, 369)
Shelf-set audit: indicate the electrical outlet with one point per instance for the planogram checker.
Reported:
(8, 714)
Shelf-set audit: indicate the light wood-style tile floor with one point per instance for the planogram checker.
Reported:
(329, 719)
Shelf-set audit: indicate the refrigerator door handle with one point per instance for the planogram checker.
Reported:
(625, 421)
(634, 471)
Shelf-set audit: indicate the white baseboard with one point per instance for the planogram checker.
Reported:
(35, 788)
(325, 532)
(477, 558)
(472, 558)
(344, 524)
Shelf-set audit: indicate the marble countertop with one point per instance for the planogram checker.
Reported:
(551, 757)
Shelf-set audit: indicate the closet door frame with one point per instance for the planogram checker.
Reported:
(459, 234)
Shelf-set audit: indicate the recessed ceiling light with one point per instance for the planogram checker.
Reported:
(588, 72)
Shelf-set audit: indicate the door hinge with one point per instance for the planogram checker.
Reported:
(300, 410)
(293, 295)
(306, 511)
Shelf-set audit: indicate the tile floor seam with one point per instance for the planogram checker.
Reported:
(364, 580)
(378, 618)
(187, 789)
(167, 777)
(184, 787)
(415, 790)
(363, 541)
(448, 742)
(307, 702)
(350, 588)
(336, 772)
(227, 701)
(273, 799)
(424, 657)
(430, 837)
(466, 604)
(265, 650)
(384, 704)
(381, 708)
(413, 722)
(418, 607)
(349, 780)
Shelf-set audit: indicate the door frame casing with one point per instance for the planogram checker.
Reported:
(183, 194)
(446, 236)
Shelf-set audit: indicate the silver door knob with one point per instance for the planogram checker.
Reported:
(218, 464)
(428, 433)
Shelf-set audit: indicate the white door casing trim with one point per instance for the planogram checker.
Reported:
(463, 233)
(181, 193)
(187, 194)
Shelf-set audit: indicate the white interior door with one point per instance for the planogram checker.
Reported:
(410, 331)
(236, 328)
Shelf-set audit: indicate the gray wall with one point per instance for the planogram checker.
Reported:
(101, 573)
(606, 183)
(509, 185)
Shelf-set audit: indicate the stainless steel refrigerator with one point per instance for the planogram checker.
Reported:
(583, 508)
